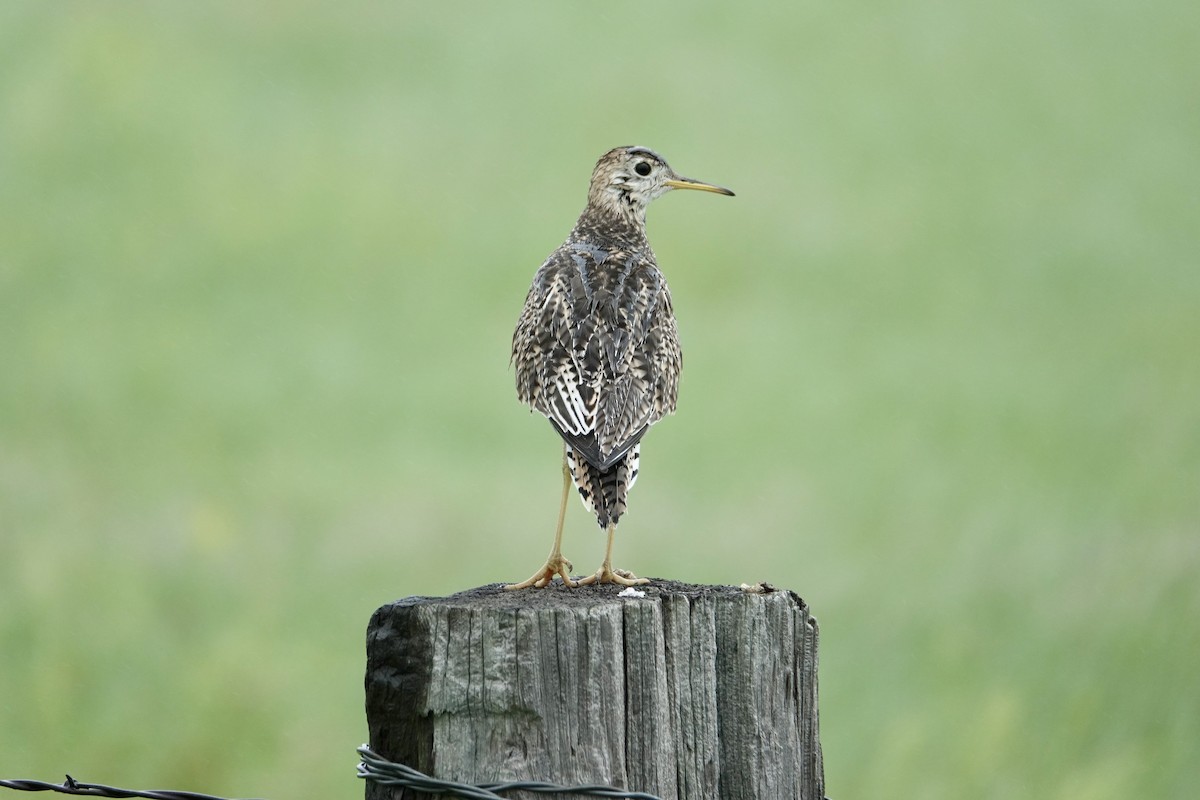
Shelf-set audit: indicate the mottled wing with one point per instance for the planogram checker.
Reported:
(596, 349)
(633, 354)
(544, 348)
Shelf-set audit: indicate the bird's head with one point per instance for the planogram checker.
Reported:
(626, 179)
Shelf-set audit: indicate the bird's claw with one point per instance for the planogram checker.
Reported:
(555, 565)
(606, 574)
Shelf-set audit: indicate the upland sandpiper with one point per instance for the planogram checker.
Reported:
(596, 348)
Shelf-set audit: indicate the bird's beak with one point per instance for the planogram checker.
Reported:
(688, 183)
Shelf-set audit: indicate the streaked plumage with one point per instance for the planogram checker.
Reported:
(596, 348)
(597, 351)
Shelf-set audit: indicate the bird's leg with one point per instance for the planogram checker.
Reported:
(606, 574)
(555, 563)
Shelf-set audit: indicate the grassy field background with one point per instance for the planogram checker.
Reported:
(259, 267)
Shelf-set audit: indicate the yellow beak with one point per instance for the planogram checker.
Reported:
(687, 183)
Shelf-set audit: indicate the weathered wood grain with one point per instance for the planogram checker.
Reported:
(690, 693)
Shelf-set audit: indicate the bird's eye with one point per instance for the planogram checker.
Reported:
(642, 168)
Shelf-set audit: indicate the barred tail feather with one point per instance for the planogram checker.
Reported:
(604, 492)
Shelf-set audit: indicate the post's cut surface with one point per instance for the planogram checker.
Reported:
(689, 693)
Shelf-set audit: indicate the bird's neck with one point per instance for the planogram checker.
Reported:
(612, 222)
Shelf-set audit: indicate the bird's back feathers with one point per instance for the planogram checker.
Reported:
(596, 348)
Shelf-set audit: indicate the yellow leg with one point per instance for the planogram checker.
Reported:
(606, 574)
(555, 563)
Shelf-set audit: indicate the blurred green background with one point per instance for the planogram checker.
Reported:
(259, 267)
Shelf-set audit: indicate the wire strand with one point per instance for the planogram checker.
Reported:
(72, 786)
(375, 768)
(371, 767)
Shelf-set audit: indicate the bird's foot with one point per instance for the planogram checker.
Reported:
(555, 565)
(606, 574)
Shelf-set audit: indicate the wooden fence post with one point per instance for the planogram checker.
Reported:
(689, 693)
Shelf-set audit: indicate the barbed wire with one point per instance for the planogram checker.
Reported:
(371, 767)
(377, 769)
(72, 786)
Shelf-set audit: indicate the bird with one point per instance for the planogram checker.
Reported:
(596, 347)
